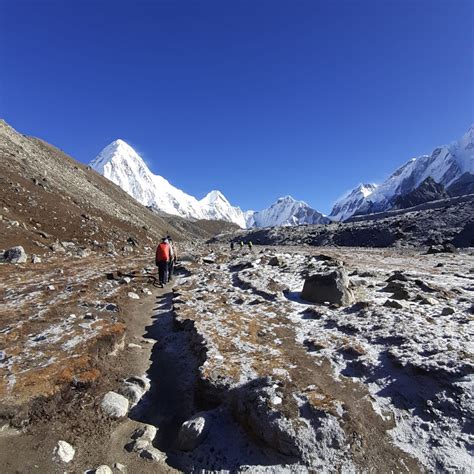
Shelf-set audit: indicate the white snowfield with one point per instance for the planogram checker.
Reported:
(445, 165)
(120, 163)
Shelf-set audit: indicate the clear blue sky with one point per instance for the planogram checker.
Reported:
(256, 98)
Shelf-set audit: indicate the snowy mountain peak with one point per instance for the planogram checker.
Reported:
(286, 211)
(349, 203)
(120, 163)
(446, 165)
(214, 196)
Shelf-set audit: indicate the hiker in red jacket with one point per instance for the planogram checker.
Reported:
(162, 260)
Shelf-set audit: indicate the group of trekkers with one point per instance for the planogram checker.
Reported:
(241, 244)
(165, 260)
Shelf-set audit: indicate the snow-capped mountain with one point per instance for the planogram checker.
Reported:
(286, 211)
(348, 205)
(218, 207)
(445, 165)
(120, 163)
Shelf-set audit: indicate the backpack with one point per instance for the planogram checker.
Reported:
(163, 252)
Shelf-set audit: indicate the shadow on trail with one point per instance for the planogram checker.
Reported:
(174, 397)
(172, 374)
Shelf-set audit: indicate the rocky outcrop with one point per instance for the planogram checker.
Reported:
(463, 185)
(428, 190)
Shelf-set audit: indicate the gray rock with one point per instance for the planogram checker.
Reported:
(63, 452)
(82, 253)
(274, 262)
(152, 454)
(138, 445)
(192, 432)
(104, 469)
(35, 259)
(56, 247)
(447, 311)
(142, 382)
(146, 432)
(114, 405)
(15, 255)
(330, 287)
(133, 295)
(133, 393)
(120, 467)
(393, 304)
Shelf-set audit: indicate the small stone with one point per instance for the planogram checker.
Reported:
(120, 467)
(132, 392)
(447, 311)
(112, 307)
(133, 295)
(15, 255)
(134, 346)
(114, 405)
(63, 452)
(82, 253)
(276, 400)
(104, 469)
(392, 304)
(125, 280)
(192, 432)
(35, 259)
(274, 262)
(428, 300)
(142, 382)
(51, 287)
(152, 454)
(147, 432)
(138, 445)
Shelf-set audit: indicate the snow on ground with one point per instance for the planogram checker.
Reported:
(413, 364)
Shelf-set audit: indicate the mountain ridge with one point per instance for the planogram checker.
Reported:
(446, 165)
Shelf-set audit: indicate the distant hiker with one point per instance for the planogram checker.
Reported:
(162, 260)
(232, 245)
(250, 244)
(241, 243)
(173, 258)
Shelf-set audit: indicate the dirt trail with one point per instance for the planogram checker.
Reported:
(96, 439)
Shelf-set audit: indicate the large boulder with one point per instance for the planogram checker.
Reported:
(332, 287)
(15, 255)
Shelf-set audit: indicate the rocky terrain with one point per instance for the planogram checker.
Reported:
(449, 221)
(339, 348)
(367, 369)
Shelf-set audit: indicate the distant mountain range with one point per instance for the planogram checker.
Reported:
(451, 167)
(286, 211)
(120, 163)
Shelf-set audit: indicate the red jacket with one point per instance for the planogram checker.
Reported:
(162, 253)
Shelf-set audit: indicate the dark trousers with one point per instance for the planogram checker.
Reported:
(170, 269)
(163, 272)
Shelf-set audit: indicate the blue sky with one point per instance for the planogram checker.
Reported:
(256, 98)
